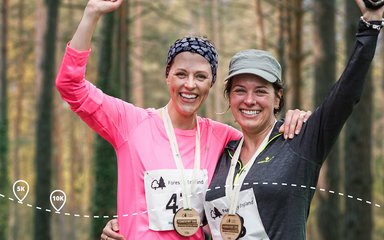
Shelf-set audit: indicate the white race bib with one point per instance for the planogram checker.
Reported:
(164, 198)
(247, 209)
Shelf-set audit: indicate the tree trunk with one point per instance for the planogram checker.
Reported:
(282, 19)
(217, 39)
(294, 62)
(328, 213)
(137, 55)
(43, 154)
(4, 182)
(260, 25)
(104, 192)
(358, 176)
(123, 44)
(17, 123)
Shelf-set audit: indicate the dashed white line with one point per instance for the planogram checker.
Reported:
(209, 189)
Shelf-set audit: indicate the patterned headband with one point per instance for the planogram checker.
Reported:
(197, 45)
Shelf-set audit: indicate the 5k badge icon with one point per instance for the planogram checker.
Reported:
(20, 190)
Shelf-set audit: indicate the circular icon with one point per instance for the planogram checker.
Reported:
(231, 226)
(186, 222)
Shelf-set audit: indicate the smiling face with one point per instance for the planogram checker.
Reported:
(253, 100)
(189, 82)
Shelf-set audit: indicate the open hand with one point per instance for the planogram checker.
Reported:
(293, 122)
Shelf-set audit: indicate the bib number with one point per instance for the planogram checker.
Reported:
(164, 196)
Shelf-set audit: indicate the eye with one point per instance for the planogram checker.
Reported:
(238, 91)
(261, 91)
(181, 74)
(201, 77)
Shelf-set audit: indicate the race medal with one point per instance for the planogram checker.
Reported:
(231, 226)
(186, 222)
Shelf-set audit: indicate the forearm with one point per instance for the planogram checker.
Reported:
(70, 80)
(81, 40)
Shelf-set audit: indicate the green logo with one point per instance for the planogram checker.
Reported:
(266, 160)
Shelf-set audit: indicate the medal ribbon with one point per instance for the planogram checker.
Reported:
(232, 188)
(186, 190)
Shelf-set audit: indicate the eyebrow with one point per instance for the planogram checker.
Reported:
(185, 70)
(240, 85)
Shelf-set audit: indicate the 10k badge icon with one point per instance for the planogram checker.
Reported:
(20, 190)
(58, 199)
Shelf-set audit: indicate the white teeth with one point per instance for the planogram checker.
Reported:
(189, 96)
(249, 112)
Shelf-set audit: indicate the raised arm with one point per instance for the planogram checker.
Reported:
(323, 127)
(94, 10)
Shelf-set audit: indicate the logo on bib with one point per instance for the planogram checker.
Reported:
(158, 183)
(215, 213)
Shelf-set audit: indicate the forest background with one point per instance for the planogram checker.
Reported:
(43, 143)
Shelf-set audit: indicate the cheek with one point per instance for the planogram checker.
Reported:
(168, 80)
(205, 90)
(266, 102)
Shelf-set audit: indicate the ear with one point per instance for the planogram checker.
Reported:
(278, 98)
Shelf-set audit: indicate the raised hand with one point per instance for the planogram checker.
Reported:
(368, 13)
(92, 13)
(101, 7)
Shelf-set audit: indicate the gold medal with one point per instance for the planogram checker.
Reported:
(186, 222)
(231, 226)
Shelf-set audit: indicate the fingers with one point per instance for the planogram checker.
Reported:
(306, 116)
(101, 7)
(114, 225)
(296, 115)
(293, 122)
(110, 231)
(301, 119)
(285, 128)
(370, 14)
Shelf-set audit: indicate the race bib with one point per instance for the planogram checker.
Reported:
(247, 209)
(163, 193)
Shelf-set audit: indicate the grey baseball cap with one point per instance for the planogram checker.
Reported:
(257, 62)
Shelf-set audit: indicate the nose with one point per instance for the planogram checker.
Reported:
(250, 99)
(190, 82)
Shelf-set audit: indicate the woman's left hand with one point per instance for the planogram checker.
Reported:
(370, 14)
(293, 122)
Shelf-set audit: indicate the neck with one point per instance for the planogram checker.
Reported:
(252, 142)
(181, 121)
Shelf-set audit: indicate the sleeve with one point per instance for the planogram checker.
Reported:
(323, 127)
(110, 117)
(225, 133)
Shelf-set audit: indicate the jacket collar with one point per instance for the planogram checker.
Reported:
(232, 145)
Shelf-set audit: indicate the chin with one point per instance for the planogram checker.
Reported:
(190, 111)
